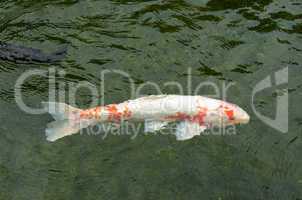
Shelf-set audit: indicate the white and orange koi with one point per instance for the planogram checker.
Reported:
(194, 114)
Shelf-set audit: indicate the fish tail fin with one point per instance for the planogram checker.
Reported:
(67, 120)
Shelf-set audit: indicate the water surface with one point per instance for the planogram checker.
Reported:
(221, 41)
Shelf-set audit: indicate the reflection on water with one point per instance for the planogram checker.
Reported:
(229, 40)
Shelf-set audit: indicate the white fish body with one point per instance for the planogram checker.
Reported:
(194, 114)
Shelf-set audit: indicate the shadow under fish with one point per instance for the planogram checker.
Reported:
(21, 54)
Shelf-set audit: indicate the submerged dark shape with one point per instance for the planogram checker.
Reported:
(17, 53)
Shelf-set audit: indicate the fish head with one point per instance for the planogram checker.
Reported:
(233, 114)
(241, 116)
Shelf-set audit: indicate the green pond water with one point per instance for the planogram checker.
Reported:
(216, 41)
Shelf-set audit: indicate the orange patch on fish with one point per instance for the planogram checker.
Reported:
(178, 116)
(229, 112)
(127, 113)
(91, 113)
(116, 115)
(199, 117)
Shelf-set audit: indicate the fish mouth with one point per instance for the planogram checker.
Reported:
(242, 116)
(244, 119)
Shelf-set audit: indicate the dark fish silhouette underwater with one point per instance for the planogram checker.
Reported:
(22, 54)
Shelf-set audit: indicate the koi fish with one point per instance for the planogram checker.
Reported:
(193, 114)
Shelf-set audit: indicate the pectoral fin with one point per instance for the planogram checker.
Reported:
(154, 125)
(186, 130)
